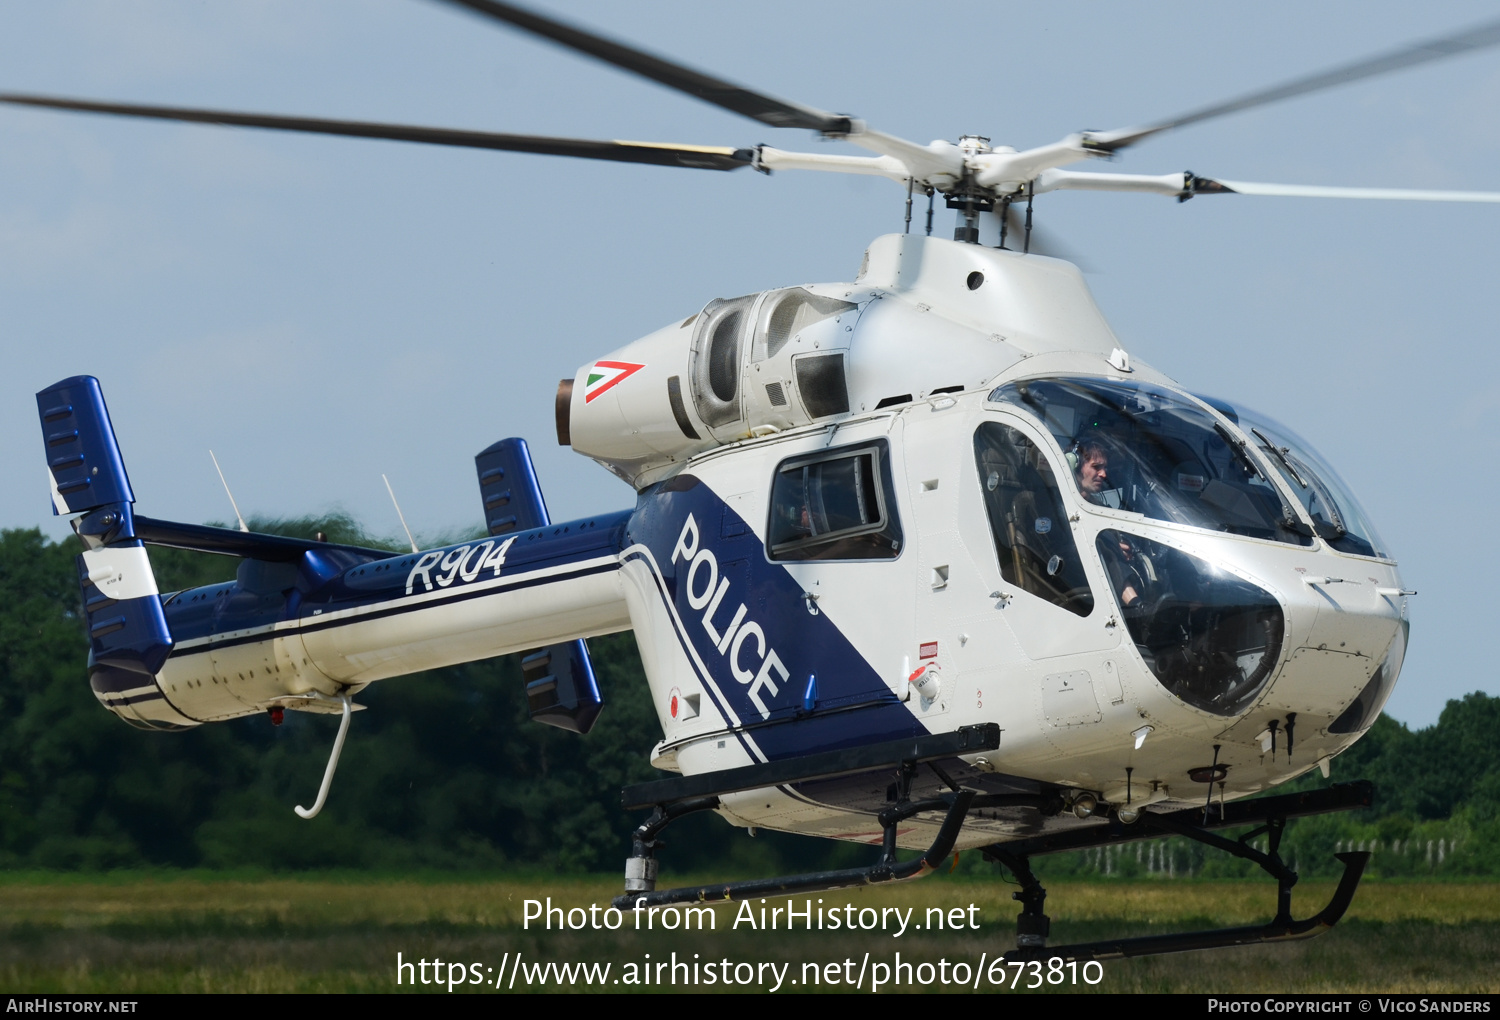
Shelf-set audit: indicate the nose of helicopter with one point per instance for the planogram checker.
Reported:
(1252, 635)
(1338, 675)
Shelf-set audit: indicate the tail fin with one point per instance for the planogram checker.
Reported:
(128, 636)
(560, 686)
(82, 455)
(507, 484)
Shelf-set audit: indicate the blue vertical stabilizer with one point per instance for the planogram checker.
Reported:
(507, 484)
(560, 687)
(82, 455)
(128, 636)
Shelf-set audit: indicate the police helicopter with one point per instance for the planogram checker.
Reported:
(924, 559)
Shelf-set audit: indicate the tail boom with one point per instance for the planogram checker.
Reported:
(239, 651)
(306, 621)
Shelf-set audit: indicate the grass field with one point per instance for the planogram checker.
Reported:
(180, 933)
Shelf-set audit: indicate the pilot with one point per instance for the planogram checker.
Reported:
(1129, 575)
(1092, 469)
(791, 522)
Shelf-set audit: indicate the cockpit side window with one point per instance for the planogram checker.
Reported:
(835, 505)
(1028, 519)
(1210, 638)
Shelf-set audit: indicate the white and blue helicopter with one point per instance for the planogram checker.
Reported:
(925, 559)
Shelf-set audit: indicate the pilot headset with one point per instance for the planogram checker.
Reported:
(1074, 456)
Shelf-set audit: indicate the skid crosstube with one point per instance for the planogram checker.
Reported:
(824, 765)
(1255, 811)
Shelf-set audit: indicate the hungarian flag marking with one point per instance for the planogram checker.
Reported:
(605, 374)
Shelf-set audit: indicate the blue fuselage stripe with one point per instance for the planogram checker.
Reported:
(308, 625)
(202, 618)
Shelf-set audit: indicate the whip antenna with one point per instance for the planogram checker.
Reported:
(399, 514)
(227, 492)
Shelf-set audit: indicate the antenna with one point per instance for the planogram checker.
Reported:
(399, 514)
(227, 492)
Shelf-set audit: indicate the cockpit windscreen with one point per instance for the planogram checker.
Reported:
(1335, 513)
(1147, 450)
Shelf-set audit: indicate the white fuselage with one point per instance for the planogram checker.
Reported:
(764, 634)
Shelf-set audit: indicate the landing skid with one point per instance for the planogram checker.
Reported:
(674, 798)
(1033, 925)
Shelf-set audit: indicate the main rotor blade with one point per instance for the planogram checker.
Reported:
(1470, 39)
(1185, 185)
(1318, 191)
(697, 157)
(736, 98)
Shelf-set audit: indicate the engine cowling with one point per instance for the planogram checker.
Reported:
(924, 317)
(740, 368)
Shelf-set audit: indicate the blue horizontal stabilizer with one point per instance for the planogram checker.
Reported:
(248, 544)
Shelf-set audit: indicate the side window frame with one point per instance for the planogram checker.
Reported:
(879, 539)
(1008, 557)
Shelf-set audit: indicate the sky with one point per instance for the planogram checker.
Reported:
(321, 311)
